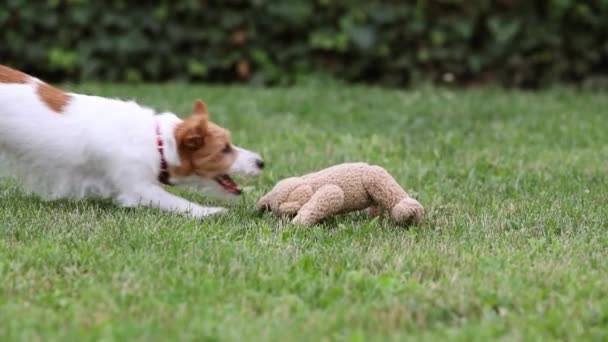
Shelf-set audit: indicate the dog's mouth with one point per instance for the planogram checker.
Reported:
(228, 184)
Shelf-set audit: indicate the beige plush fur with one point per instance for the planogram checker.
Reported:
(340, 189)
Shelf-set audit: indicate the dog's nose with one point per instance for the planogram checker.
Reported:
(259, 163)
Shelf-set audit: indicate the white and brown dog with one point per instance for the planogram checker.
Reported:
(66, 145)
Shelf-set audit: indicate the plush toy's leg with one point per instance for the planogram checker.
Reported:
(407, 211)
(296, 200)
(387, 193)
(375, 211)
(325, 202)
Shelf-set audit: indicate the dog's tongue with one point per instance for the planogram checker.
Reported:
(228, 184)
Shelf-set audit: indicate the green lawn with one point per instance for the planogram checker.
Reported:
(514, 245)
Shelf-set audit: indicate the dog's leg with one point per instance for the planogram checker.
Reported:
(327, 201)
(156, 197)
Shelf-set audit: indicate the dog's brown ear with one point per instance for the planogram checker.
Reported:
(200, 114)
(193, 141)
(200, 108)
(190, 135)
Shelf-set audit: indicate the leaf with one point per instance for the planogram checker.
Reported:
(364, 37)
(62, 59)
(504, 30)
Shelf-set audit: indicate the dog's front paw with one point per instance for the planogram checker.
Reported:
(217, 211)
(204, 212)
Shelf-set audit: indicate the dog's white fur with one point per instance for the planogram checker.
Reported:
(97, 147)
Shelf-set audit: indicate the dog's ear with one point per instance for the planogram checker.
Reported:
(201, 114)
(193, 141)
(200, 109)
(190, 135)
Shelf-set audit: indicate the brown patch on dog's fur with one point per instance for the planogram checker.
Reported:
(54, 98)
(9, 75)
(204, 148)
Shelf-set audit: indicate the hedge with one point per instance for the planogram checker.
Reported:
(390, 42)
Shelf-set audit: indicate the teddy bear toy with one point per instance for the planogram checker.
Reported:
(339, 189)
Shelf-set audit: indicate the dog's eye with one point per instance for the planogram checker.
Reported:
(227, 149)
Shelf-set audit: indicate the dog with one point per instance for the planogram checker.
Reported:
(67, 145)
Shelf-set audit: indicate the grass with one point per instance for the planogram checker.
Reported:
(514, 245)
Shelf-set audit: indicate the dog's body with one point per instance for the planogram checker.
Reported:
(66, 145)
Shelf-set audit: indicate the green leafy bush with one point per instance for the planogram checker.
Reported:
(390, 42)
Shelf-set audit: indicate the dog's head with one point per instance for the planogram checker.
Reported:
(207, 155)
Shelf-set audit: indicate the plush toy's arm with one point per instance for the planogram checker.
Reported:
(325, 202)
(263, 203)
(273, 199)
(289, 208)
(296, 200)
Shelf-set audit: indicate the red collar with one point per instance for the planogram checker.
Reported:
(163, 175)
